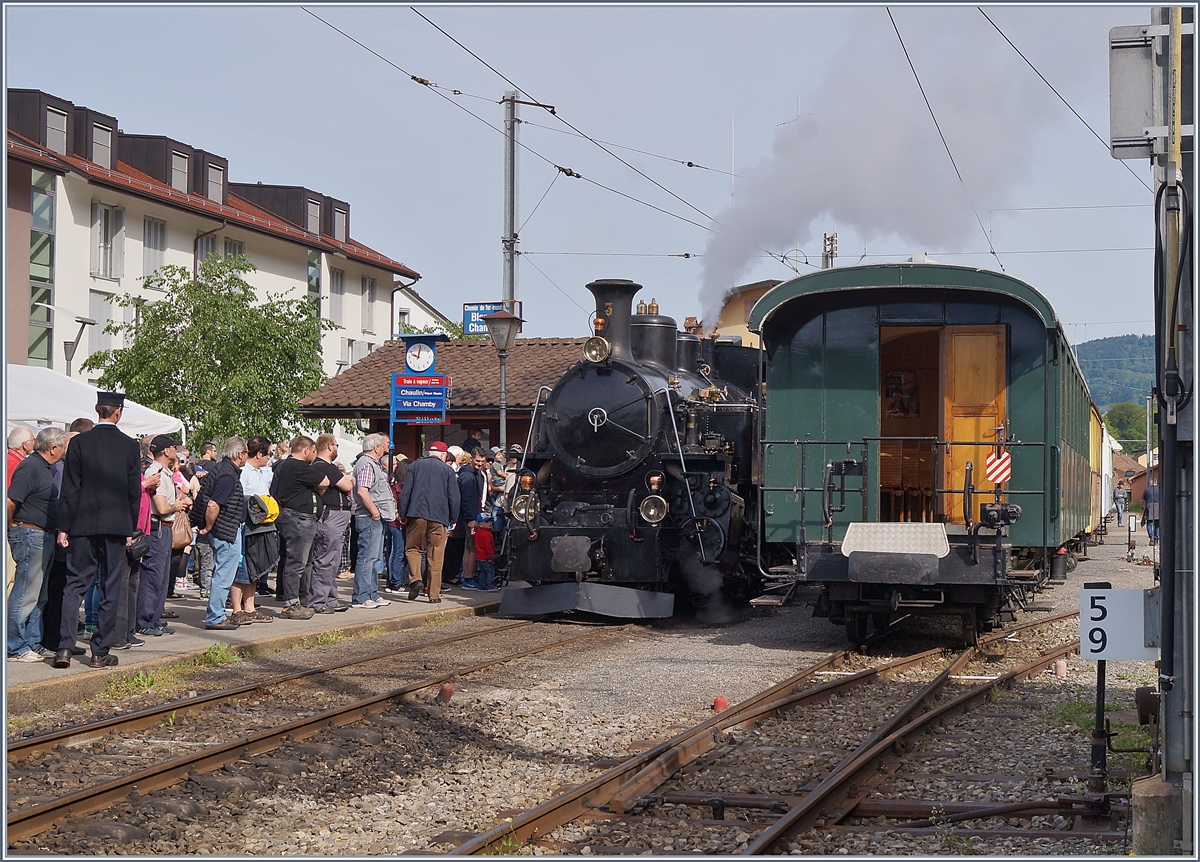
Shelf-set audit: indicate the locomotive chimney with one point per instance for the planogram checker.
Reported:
(614, 301)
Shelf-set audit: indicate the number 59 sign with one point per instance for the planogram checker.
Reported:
(1112, 625)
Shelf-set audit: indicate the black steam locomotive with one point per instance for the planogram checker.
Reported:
(635, 482)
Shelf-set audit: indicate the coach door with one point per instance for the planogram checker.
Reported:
(974, 359)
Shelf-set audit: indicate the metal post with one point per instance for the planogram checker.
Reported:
(510, 240)
(1098, 777)
(503, 405)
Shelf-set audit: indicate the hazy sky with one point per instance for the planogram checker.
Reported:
(815, 109)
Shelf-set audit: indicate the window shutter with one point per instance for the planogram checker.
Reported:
(118, 243)
(94, 250)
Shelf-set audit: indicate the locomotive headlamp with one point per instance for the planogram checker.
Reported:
(596, 349)
(525, 508)
(653, 509)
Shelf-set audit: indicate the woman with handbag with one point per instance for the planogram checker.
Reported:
(181, 539)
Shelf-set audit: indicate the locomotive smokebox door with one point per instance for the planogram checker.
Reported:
(570, 554)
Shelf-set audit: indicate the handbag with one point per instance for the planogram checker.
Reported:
(181, 532)
(138, 546)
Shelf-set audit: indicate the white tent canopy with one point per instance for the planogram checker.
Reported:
(39, 396)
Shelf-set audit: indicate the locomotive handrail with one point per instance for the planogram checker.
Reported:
(968, 493)
(682, 466)
(537, 405)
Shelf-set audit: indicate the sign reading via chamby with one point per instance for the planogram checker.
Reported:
(474, 312)
(1112, 625)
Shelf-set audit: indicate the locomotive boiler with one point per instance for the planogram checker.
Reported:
(636, 477)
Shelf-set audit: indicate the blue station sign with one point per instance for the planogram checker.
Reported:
(474, 312)
(418, 399)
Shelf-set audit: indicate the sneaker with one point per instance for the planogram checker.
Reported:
(381, 602)
(370, 605)
(182, 585)
(27, 656)
(341, 606)
(135, 642)
(153, 632)
(489, 590)
(471, 585)
(345, 576)
(296, 612)
(242, 618)
(204, 594)
(398, 592)
(47, 653)
(326, 609)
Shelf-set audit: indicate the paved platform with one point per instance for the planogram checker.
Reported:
(29, 686)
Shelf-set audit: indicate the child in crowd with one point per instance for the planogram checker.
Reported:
(485, 550)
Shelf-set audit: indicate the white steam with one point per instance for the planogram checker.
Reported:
(869, 159)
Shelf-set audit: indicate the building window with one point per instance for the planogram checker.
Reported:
(56, 131)
(102, 145)
(154, 243)
(234, 247)
(314, 278)
(206, 246)
(347, 350)
(179, 171)
(41, 271)
(100, 309)
(339, 225)
(336, 292)
(358, 349)
(314, 216)
(368, 304)
(401, 320)
(108, 241)
(216, 184)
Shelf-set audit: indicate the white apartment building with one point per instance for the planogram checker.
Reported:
(92, 211)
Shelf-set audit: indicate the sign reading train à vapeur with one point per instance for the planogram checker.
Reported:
(418, 400)
(474, 312)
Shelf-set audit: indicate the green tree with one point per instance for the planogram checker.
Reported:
(1126, 421)
(210, 353)
(451, 329)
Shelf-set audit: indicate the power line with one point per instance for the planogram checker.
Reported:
(556, 287)
(1064, 101)
(436, 89)
(938, 126)
(1077, 207)
(686, 163)
(557, 174)
(565, 122)
(686, 254)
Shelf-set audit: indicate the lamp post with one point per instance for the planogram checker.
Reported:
(503, 327)
(69, 347)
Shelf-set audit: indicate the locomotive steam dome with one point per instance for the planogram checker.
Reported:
(602, 417)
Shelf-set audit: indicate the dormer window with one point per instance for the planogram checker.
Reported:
(216, 184)
(56, 130)
(179, 171)
(339, 225)
(102, 145)
(314, 216)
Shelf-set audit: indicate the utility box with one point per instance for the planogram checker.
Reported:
(1131, 73)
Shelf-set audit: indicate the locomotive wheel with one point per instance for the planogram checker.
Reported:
(856, 628)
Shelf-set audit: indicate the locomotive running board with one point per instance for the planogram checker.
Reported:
(603, 599)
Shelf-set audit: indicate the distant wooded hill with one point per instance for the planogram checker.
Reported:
(1118, 369)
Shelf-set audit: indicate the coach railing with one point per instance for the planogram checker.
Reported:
(831, 468)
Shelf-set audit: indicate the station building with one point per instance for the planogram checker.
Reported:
(93, 210)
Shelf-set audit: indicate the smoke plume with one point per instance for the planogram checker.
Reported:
(865, 156)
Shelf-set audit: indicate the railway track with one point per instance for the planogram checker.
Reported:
(679, 786)
(240, 702)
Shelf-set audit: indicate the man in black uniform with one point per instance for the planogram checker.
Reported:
(97, 511)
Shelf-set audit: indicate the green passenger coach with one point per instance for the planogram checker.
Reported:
(925, 445)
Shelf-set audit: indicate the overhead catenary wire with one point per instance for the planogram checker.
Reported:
(437, 90)
(566, 123)
(557, 174)
(1060, 96)
(938, 126)
(685, 162)
(556, 287)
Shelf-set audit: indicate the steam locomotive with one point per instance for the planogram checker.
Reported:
(634, 484)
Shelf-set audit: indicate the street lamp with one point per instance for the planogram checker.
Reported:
(69, 347)
(503, 327)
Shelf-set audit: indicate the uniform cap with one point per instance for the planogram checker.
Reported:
(110, 399)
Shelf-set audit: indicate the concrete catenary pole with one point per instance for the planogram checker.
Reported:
(510, 239)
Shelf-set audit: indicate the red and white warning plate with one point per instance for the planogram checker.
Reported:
(998, 468)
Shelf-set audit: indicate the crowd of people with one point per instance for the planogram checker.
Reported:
(102, 523)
